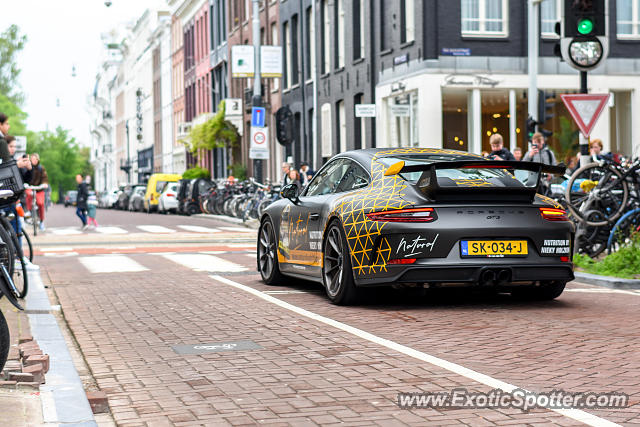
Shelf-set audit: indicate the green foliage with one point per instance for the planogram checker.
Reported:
(214, 133)
(15, 114)
(568, 139)
(196, 172)
(623, 263)
(61, 156)
(11, 43)
(239, 171)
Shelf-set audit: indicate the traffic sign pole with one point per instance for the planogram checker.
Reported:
(585, 109)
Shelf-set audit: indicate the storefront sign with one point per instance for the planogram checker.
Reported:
(365, 110)
(401, 110)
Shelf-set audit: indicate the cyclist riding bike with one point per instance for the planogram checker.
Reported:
(39, 182)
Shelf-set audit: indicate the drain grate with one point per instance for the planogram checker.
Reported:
(216, 347)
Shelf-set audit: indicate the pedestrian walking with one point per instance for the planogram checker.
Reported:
(81, 201)
(92, 210)
(39, 179)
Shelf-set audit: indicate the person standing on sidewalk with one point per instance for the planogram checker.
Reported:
(81, 201)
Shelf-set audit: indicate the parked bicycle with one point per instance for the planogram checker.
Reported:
(34, 218)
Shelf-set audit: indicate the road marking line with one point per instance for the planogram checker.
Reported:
(204, 262)
(251, 255)
(111, 230)
(56, 249)
(155, 229)
(64, 231)
(575, 414)
(198, 229)
(239, 229)
(60, 254)
(214, 252)
(240, 245)
(111, 264)
(605, 291)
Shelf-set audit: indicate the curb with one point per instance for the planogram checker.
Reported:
(64, 400)
(252, 223)
(606, 281)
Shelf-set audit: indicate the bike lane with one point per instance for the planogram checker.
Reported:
(304, 371)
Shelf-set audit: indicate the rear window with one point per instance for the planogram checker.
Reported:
(160, 186)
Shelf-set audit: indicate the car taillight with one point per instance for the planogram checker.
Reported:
(402, 261)
(170, 195)
(552, 214)
(404, 215)
(564, 258)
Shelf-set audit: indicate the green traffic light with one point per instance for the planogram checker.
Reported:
(585, 26)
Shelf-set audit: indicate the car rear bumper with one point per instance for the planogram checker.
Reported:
(472, 274)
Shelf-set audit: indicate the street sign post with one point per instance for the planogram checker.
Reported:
(257, 116)
(259, 148)
(242, 61)
(585, 109)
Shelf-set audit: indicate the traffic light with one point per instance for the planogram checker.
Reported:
(584, 42)
(284, 125)
(545, 110)
(531, 127)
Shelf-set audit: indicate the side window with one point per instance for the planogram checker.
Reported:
(327, 180)
(355, 178)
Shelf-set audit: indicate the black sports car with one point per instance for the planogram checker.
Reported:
(421, 217)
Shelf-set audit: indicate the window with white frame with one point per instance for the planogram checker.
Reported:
(340, 41)
(325, 124)
(286, 33)
(326, 37)
(549, 16)
(484, 18)
(628, 19)
(342, 127)
(407, 21)
(310, 44)
(275, 82)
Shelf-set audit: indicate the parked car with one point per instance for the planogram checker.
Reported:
(197, 188)
(136, 200)
(70, 198)
(155, 186)
(169, 198)
(183, 191)
(123, 198)
(108, 199)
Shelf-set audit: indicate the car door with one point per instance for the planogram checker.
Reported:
(302, 223)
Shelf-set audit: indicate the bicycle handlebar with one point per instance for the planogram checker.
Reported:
(36, 187)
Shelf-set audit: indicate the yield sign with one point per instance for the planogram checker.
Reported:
(585, 108)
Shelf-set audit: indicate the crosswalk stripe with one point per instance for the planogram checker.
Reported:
(111, 264)
(204, 262)
(64, 231)
(111, 230)
(155, 229)
(239, 229)
(198, 229)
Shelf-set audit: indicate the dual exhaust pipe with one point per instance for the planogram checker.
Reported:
(495, 277)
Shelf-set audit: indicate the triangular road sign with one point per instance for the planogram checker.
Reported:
(585, 108)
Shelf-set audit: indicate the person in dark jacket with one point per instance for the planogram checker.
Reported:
(4, 132)
(498, 152)
(81, 201)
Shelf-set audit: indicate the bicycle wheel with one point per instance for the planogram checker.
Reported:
(19, 275)
(597, 188)
(5, 343)
(28, 250)
(620, 234)
(7, 251)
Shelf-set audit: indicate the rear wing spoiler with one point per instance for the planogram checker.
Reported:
(428, 182)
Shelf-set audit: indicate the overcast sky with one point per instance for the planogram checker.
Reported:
(63, 34)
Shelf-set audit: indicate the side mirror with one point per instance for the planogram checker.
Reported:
(290, 191)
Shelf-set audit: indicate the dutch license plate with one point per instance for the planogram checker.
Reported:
(493, 248)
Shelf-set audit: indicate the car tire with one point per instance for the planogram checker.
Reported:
(267, 254)
(545, 292)
(337, 274)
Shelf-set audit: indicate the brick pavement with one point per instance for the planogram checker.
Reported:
(306, 372)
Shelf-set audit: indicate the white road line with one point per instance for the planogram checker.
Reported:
(155, 229)
(214, 252)
(251, 255)
(241, 245)
(56, 249)
(111, 264)
(60, 254)
(64, 231)
(204, 262)
(575, 414)
(239, 229)
(111, 230)
(198, 229)
(605, 291)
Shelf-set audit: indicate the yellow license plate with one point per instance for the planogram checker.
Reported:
(493, 248)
